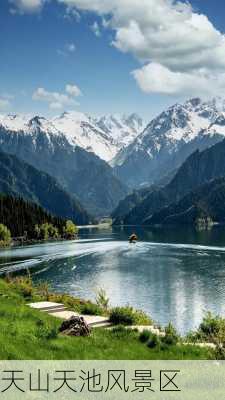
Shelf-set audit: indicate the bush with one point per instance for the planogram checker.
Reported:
(46, 231)
(102, 300)
(128, 316)
(24, 285)
(153, 342)
(90, 309)
(212, 329)
(43, 289)
(122, 316)
(5, 235)
(220, 353)
(211, 326)
(70, 230)
(171, 336)
(144, 336)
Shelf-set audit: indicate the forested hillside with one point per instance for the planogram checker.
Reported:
(21, 216)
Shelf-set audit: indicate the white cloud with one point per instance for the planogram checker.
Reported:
(73, 90)
(96, 29)
(26, 6)
(168, 37)
(58, 100)
(155, 78)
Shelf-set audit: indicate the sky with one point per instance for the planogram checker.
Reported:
(109, 56)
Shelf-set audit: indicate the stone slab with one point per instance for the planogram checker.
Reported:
(94, 319)
(43, 305)
(64, 314)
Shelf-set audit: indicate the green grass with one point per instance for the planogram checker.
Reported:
(30, 334)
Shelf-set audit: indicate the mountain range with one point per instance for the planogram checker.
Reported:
(105, 136)
(197, 182)
(98, 162)
(169, 139)
(81, 173)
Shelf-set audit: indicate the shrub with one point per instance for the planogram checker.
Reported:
(122, 316)
(171, 336)
(141, 318)
(53, 231)
(70, 230)
(46, 231)
(154, 341)
(90, 309)
(220, 353)
(212, 329)
(144, 336)
(102, 300)
(211, 326)
(43, 290)
(128, 316)
(5, 235)
(24, 285)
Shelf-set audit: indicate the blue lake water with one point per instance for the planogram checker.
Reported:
(174, 275)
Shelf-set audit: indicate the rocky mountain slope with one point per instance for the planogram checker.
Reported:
(169, 139)
(208, 201)
(199, 168)
(81, 173)
(20, 179)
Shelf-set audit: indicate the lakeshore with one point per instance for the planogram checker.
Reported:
(36, 334)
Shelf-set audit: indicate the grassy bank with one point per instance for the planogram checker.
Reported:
(29, 334)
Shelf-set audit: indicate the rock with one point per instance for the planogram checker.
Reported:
(75, 326)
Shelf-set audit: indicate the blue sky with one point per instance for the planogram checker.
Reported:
(51, 48)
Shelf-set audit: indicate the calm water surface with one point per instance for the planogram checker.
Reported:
(174, 275)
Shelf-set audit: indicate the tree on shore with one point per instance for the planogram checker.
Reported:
(46, 231)
(70, 230)
(5, 235)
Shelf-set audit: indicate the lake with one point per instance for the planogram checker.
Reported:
(172, 274)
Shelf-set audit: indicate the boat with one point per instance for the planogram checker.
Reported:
(133, 238)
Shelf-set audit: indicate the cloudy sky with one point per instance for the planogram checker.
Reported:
(109, 56)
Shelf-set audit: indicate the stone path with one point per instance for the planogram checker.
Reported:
(96, 321)
(59, 310)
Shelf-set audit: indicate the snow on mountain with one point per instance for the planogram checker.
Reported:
(103, 136)
(180, 123)
(14, 122)
(169, 139)
(82, 130)
(123, 129)
(26, 124)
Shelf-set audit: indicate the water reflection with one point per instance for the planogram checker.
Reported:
(173, 275)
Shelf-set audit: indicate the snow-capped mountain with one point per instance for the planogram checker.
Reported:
(104, 136)
(123, 129)
(27, 125)
(38, 142)
(169, 139)
(82, 130)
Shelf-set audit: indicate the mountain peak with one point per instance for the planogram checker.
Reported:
(169, 138)
(36, 121)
